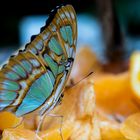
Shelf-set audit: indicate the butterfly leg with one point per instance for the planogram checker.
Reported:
(45, 113)
(41, 121)
(19, 123)
(39, 125)
(37, 137)
(61, 122)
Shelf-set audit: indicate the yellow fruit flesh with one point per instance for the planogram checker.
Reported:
(114, 95)
(9, 120)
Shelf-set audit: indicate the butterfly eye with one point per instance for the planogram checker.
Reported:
(68, 64)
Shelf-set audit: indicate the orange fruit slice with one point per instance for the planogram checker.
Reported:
(114, 95)
(135, 73)
(9, 120)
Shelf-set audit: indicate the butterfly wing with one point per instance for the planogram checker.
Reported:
(36, 76)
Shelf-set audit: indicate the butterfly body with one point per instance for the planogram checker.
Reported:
(36, 76)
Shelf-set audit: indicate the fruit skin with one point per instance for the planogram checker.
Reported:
(135, 75)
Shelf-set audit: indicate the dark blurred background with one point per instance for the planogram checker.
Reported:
(19, 18)
(15, 12)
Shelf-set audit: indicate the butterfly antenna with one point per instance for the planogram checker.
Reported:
(74, 84)
(85, 77)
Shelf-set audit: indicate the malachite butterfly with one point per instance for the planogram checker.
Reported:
(35, 77)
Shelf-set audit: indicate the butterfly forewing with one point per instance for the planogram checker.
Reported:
(36, 76)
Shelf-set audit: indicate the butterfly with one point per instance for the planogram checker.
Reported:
(35, 77)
